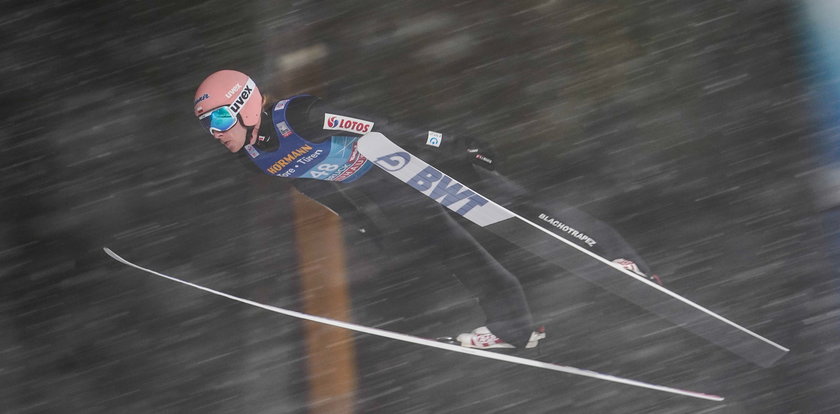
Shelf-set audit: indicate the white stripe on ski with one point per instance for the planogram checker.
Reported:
(651, 283)
(427, 342)
(381, 151)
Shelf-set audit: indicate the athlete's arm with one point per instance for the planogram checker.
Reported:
(317, 120)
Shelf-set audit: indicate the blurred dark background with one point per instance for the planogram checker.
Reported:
(690, 127)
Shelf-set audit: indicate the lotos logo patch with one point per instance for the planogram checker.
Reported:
(345, 123)
(201, 98)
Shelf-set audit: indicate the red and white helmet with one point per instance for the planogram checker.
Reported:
(233, 89)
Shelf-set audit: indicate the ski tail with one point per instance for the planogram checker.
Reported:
(546, 242)
(427, 342)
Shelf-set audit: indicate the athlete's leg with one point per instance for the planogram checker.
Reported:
(573, 224)
(499, 292)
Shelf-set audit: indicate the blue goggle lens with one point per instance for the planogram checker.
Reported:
(220, 119)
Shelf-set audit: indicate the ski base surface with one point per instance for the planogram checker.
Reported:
(539, 237)
(427, 342)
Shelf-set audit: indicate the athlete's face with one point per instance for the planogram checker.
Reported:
(234, 138)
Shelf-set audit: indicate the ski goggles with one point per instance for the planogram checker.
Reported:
(220, 119)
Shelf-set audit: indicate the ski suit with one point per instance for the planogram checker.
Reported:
(305, 138)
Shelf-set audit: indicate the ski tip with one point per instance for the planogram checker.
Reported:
(695, 394)
(714, 397)
(113, 255)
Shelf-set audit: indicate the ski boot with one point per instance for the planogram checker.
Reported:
(482, 338)
(629, 265)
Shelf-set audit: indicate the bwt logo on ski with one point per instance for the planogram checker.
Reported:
(243, 97)
(345, 123)
(445, 190)
(435, 184)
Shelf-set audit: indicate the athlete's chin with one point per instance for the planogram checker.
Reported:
(233, 147)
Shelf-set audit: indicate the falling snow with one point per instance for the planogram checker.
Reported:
(690, 127)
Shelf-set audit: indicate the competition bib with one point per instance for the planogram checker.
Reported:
(336, 159)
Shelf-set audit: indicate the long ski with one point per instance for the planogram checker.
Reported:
(538, 236)
(427, 342)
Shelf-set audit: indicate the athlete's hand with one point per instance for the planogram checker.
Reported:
(481, 154)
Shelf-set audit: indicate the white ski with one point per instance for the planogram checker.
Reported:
(428, 342)
(545, 241)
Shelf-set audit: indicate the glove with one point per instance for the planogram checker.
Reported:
(481, 154)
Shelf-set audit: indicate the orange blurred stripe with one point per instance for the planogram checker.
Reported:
(321, 265)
